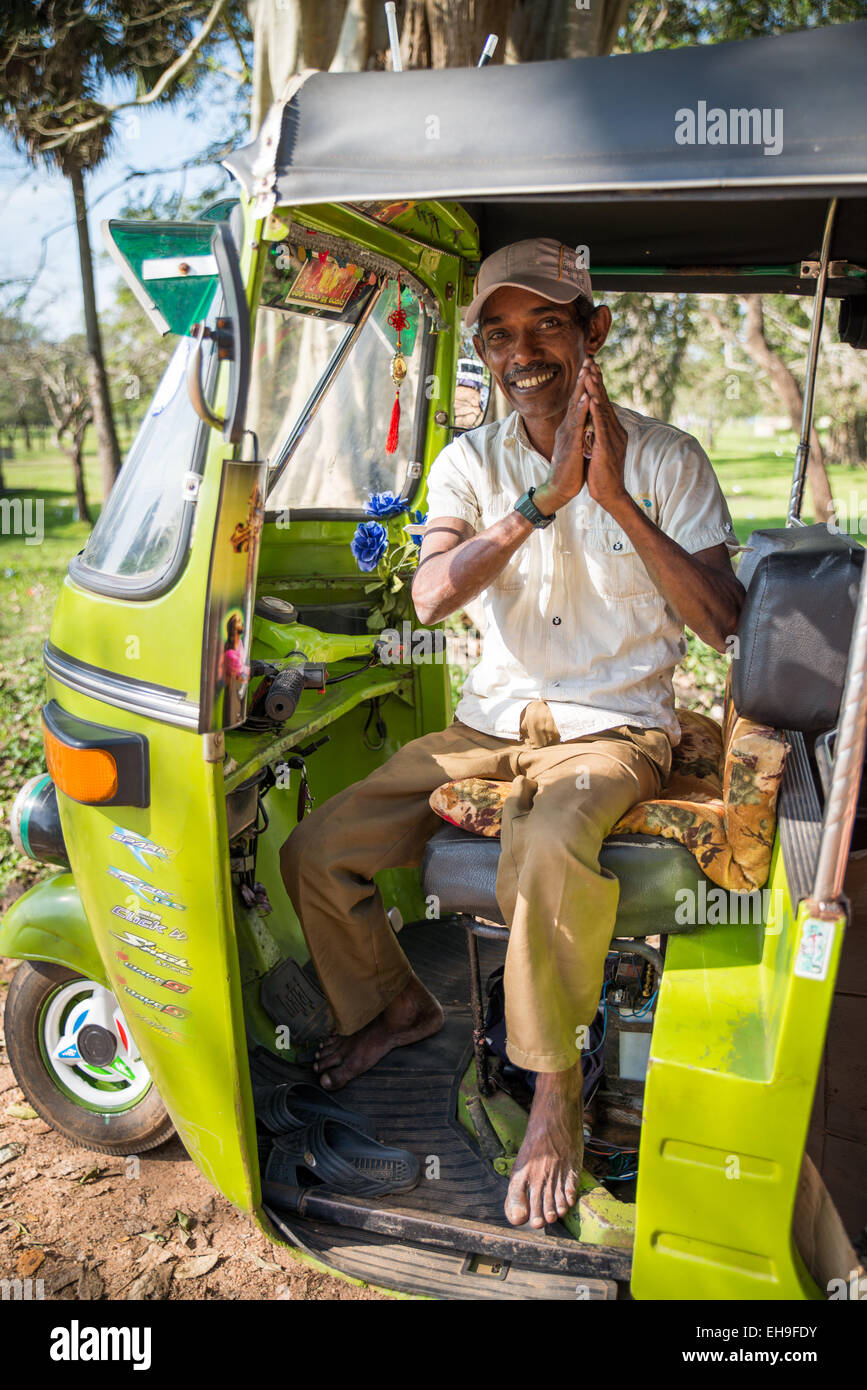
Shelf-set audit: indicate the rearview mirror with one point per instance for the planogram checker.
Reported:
(232, 336)
(169, 266)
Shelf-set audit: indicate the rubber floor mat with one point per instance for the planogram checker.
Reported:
(411, 1096)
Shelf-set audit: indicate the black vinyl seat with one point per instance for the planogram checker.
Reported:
(460, 869)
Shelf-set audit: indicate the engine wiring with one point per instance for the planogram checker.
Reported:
(622, 1159)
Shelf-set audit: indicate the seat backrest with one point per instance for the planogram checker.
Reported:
(796, 626)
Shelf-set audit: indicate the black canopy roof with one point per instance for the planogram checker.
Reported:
(586, 150)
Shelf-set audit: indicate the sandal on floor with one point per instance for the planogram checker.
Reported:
(340, 1158)
(280, 1109)
(268, 1070)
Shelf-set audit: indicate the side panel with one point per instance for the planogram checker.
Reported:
(156, 889)
(734, 1058)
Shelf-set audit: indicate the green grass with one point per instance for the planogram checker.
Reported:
(30, 580)
(755, 476)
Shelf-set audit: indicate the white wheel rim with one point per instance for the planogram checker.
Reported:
(115, 1087)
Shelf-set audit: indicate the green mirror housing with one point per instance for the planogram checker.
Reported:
(169, 266)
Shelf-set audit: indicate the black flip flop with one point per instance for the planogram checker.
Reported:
(281, 1109)
(338, 1157)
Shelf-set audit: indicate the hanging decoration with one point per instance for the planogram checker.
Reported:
(397, 320)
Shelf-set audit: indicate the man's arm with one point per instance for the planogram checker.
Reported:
(701, 588)
(456, 563)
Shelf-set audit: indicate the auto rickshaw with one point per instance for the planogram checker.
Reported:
(192, 664)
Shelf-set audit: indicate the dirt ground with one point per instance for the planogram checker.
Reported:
(95, 1227)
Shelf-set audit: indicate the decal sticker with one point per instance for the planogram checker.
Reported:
(173, 1009)
(160, 1027)
(228, 616)
(321, 280)
(150, 948)
(150, 921)
(814, 952)
(139, 846)
(160, 896)
(157, 979)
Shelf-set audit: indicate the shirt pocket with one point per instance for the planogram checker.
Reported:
(613, 566)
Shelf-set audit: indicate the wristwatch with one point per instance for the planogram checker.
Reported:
(527, 507)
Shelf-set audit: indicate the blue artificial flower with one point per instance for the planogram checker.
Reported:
(369, 544)
(384, 505)
(419, 518)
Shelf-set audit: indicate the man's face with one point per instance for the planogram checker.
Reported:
(534, 348)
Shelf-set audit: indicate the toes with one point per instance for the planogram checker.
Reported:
(516, 1208)
(537, 1188)
(571, 1186)
(561, 1197)
(549, 1201)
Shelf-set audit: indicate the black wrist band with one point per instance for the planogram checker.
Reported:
(527, 507)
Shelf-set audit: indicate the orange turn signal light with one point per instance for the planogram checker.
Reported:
(85, 774)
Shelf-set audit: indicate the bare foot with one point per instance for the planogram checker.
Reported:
(544, 1182)
(412, 1015)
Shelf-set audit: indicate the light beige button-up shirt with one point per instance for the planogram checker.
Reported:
(574, 618)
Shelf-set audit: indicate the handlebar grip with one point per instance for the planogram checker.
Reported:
(284, 693)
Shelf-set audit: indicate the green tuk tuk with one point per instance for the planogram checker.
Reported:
(193, 657)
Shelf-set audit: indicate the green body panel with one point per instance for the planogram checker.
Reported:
(735, 1054)
(49, 923)
(174, 920)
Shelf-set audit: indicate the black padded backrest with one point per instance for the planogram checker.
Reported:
(786, 539)
(795, 627)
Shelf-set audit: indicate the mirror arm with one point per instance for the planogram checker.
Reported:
(195, 386)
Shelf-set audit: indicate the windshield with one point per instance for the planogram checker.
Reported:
(339, 457)
(139, 527)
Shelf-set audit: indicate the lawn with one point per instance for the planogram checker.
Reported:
(754, 474)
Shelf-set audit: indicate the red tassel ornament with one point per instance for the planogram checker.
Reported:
(394, 427)
(397, 320)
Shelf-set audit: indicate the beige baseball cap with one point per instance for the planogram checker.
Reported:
(543, 265)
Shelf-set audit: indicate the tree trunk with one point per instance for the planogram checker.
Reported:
(75, 458)
(450, 33)
(109, 452)
(289, 35)
(543, 29)
(792, 401)
(353, 44)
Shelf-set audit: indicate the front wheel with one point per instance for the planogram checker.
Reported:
(77, 1063)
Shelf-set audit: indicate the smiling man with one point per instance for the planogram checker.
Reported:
(589, 568)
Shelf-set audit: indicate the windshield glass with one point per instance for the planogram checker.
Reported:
(340, 457)
(139, 527)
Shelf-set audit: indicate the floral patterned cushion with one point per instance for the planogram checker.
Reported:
(473, 803)
(721, 807)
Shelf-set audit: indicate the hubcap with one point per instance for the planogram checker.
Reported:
(96, 1045)
(89, 1050)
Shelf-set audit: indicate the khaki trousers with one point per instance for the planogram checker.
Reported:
(559, 904)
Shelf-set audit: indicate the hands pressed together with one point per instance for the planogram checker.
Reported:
(603, 470)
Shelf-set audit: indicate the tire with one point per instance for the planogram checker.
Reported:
(114, 1116)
